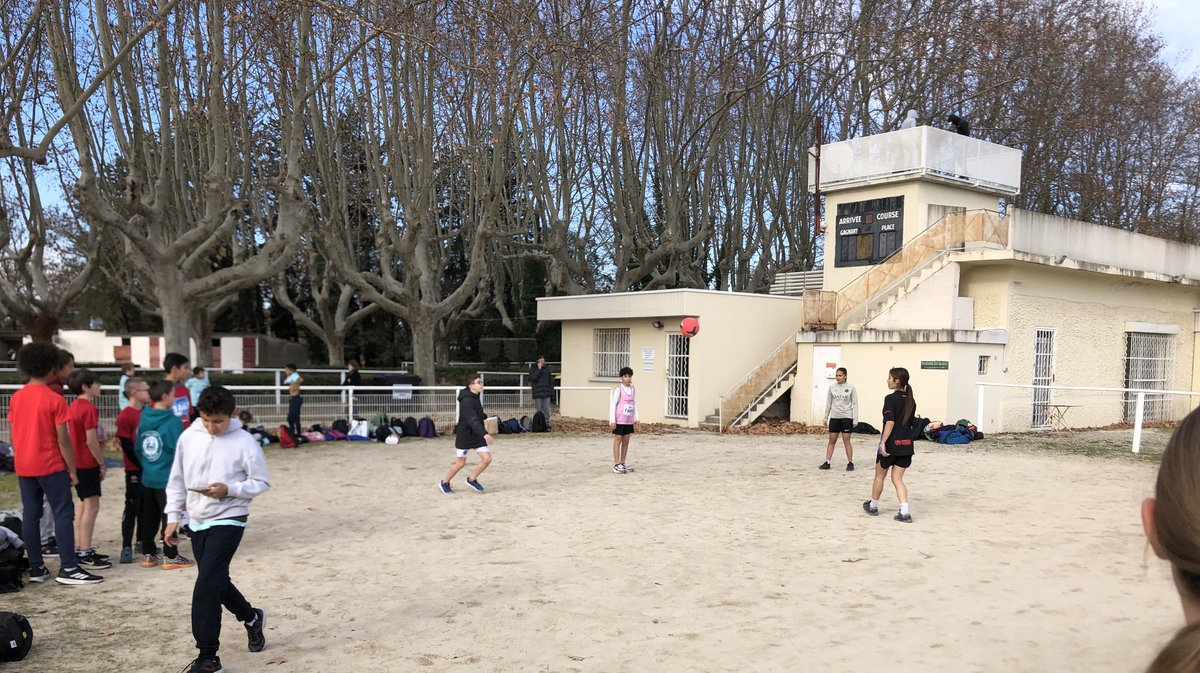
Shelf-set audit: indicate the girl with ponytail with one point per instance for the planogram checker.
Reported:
(1172, 522)
(895, 444)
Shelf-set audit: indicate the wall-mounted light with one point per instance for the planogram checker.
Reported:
(657, 324)
(1060, 259)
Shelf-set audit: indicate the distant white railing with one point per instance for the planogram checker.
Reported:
(1139, 403)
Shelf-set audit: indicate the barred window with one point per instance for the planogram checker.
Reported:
(983, 364)
(610, 351)
(1149, 365)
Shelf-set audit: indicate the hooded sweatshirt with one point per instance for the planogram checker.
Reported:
(232, 458)
(158, 432)
(469, 432)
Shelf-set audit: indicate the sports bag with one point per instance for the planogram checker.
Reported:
(314, 436)
(285, 438)
(16, 636)
(359, 428)
(427, 428)
(410, 427)
(342, 425)
(512, 427)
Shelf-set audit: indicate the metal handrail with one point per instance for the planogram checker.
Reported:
(866, 303)
(791, 339)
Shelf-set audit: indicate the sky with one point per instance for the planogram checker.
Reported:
(1178, 22)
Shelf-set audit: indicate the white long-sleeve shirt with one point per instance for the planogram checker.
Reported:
(842, 402)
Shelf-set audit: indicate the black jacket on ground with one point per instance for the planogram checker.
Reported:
(469, 432)
(542, 381)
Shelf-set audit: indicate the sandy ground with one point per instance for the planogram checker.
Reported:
(716, 554)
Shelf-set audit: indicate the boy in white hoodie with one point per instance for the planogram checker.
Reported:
(218, 470)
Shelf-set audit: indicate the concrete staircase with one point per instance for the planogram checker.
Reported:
(768, 397)
(862, 315)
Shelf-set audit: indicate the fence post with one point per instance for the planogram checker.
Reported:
(1137, 423)
(278, 398)
(351, 402)
(521, 393)
(979, 410)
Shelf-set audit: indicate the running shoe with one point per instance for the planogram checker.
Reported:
(903, 518)
(824, 466)
(180, 561)
(205, 665)
(38, 575)
(126, 554)
(444, 487)
(255, 639)
(77, 576)
(873, 511)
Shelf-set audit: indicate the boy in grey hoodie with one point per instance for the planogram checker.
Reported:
(219, 468)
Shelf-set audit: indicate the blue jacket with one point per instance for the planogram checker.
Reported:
(158, 433)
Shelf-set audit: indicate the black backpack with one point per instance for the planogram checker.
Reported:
(539, 424)
(342, 425)
(16, 636)
(410, 427)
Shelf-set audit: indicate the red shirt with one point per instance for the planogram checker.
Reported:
(183, 404)
(35, 412)
(84, 417)
(127, 425)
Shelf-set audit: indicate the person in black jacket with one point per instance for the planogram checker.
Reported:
(470, 433)
(542, 382)
(895, 444)
(352, 376)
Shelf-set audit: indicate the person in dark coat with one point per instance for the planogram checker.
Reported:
(961, 126)
(470, 433)
(542, 382)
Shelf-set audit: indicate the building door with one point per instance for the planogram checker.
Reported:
(678, 354)
(826, 360)
(1043, 375)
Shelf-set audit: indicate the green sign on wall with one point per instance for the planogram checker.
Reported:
(935, 364)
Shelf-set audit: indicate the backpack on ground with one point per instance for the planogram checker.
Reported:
(525, 423)
(410, 427)
(378, 420)
(427, 428)
(865, 428)
(341, 425)
(286, 440)
(382, 433)
(539, 424)
(514, 426)
(314, 436)
(359, 428)
(16, 636)
(954, 436)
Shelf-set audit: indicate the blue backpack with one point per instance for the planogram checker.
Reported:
(954, 436)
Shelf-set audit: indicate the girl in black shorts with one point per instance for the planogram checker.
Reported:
(895, 445)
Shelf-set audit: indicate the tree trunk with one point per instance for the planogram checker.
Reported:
(335, 345)
(203, 322)
(41, 326)
(176, 316)
(422, 331)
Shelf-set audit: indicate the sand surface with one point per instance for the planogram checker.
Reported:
(717, 553)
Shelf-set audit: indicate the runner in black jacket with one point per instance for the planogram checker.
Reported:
(470, 433)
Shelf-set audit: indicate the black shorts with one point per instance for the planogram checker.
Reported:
(841, 425)
(623, 429)
(89, 482)
(898, 461)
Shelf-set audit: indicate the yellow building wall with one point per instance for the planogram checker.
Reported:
(1090, 315)
(737, 332)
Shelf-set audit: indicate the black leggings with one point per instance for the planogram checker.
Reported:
(131, 517)
(293, 417)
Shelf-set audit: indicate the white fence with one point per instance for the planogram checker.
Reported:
(324, 404)
(1067, 407)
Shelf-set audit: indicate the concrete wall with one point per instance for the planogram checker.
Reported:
(943, 395)
(933, 304)
(1102, 246)
(88, 345)
(737, 331)
(1089, 313)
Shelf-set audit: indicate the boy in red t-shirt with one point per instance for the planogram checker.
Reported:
(178, 369)
(89, 463)
(45, 463)
(137, 391)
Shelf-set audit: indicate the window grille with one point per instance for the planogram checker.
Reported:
(1043, 375)
(610, 351)
(678, 361)
(983, 364)
(1149, 364)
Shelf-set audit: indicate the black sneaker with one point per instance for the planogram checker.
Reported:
(94, 561)
(205, 665)
(77, 576)
(38, 575)
(873, 511)
(903, 518)
(824, 466)
(850, 466)
(255, 639)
